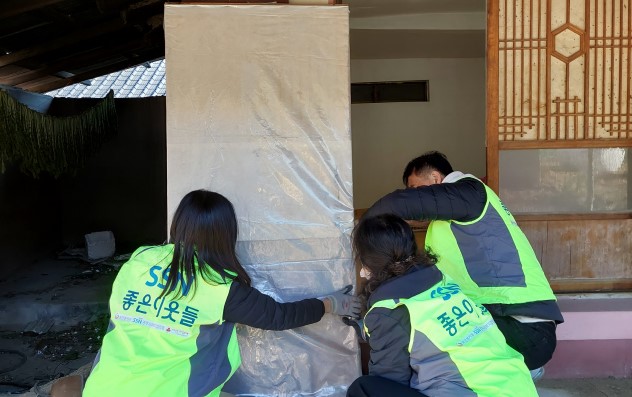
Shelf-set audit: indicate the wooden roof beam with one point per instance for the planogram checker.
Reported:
(228, 1)
(304, 2)
(48, 85)
(125, 6)
(69, 39)
(72, 62)
(11, 8)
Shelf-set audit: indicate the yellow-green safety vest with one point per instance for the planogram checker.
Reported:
(489, 257)
(162, 347)
(456, 349)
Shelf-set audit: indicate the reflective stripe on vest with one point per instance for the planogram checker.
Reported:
(490, 257)
(456, 349)
(164, 346)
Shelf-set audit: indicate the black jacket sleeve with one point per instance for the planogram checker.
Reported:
(389, 335)
(246, 305)
(463, 200)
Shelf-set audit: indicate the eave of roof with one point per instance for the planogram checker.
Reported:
(139, 81)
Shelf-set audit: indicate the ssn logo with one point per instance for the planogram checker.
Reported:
(156, 273)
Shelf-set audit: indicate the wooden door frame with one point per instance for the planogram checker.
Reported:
(491, 117)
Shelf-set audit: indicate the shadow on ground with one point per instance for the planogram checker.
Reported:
(53, 315)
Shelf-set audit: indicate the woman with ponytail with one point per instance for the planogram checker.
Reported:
(426, 337)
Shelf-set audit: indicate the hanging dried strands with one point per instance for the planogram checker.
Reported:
(39, 142)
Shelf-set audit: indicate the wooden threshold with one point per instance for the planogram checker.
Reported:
(358, 212)
(568, 144)
(573, 217)
(591, 285)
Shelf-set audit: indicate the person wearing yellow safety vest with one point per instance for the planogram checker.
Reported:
(482, 248)
(173, 309)
(426, 335)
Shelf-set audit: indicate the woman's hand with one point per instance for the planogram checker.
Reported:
(343, 304)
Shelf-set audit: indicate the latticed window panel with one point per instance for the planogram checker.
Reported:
(564, 71)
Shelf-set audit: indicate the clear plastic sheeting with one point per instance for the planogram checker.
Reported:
(258, 110)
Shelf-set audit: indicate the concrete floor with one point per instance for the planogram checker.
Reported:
(585, 387)
(71, 297)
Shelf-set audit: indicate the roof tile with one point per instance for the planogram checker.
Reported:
(135, 82)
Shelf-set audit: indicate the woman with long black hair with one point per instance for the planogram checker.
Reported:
(174, 307)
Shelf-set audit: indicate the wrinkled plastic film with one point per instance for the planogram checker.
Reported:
(258, 110)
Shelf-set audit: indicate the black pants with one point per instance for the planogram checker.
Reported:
(535, 341)
(375, 386)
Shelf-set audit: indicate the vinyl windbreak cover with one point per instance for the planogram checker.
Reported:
(258, 110)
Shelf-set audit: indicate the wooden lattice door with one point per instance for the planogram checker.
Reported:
(558, 75)
(559, 92)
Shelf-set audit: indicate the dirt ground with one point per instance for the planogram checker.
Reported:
(32, 355)
(28, 359)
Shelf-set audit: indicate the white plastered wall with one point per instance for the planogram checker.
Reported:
(388, 135)
(258, 110)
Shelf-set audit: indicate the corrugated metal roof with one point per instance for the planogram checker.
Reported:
(139, 81)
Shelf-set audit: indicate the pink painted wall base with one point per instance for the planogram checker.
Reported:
(595, 340)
